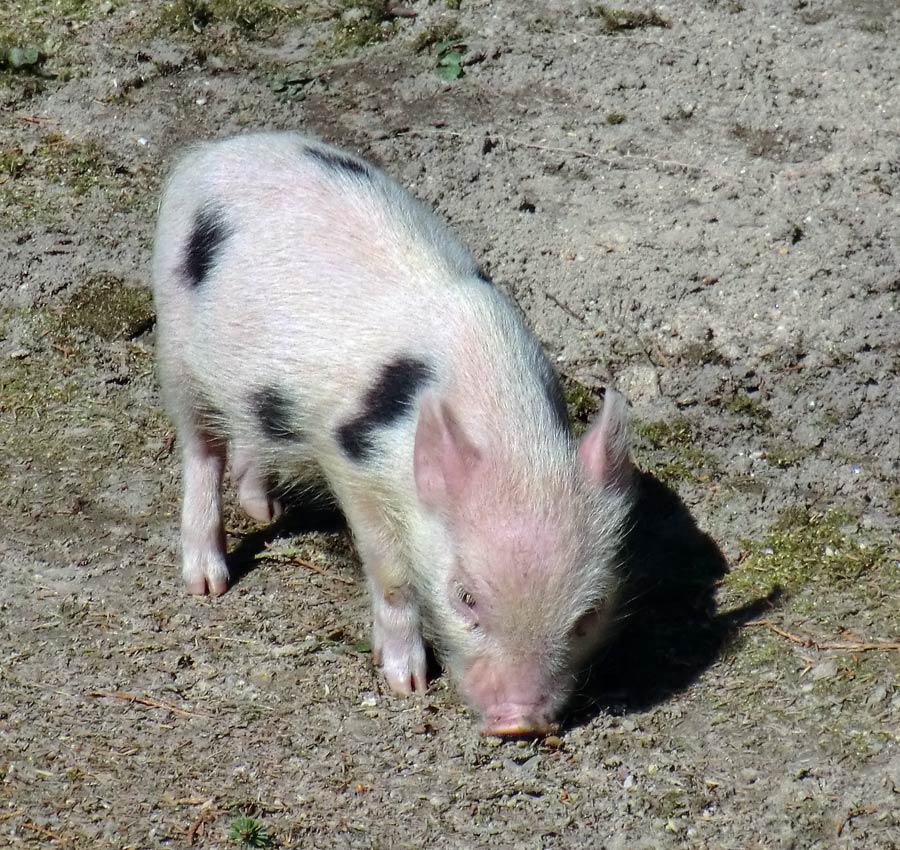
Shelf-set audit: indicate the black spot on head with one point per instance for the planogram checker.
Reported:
(275, 413)
(388, 399)
(553, 391)
(340, 162)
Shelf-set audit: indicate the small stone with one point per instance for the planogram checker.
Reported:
(824, 670)
(354, 15)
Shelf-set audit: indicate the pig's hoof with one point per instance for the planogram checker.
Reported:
(206, 587)
(254, 496)
(260, 506)
(405, 667)
(210, 579)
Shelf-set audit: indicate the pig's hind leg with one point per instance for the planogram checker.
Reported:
(397, 644)
(253, 486)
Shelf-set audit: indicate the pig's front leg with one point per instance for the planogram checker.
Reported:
(397, 644)
(202, 534)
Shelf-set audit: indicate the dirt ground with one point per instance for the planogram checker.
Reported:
(698, 203)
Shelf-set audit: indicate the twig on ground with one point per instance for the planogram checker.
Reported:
(563, 306)
(41, 831)
(206, 816)
(152, 703)
(320, 571)
(809, 643)
(293, 559)
(134, 650)
(166, 448)
(854, 813)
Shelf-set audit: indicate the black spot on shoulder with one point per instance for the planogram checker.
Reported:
(275, 413)
(556, 398)
(482, 275)
(388, 399)
(336, 161)
(209, 232)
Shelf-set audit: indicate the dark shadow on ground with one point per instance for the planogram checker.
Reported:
(671, 630)
(302, 515)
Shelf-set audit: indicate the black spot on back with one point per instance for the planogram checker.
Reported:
(556, 398)
(339, 162)
(388, 399)
(275, 413)
(210, 230)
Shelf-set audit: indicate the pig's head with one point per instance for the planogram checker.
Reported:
(524, 559)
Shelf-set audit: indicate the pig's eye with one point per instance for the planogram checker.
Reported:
(467, 607)
(465, 604)
(465, 597)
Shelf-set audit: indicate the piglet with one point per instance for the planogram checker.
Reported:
(318, 322)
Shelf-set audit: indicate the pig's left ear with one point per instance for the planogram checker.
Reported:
(444, 458)
(603, 452)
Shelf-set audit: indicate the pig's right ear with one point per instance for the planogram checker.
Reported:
(444, 459)
(603, 452)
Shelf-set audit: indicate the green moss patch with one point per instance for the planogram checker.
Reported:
(894, 501)
(622, 20)
(12, 163)
(742, 404)
(251, 17)
(804, 548)
(703, 354)
(107, 308)
(362, 24)
(784, 455)
(670, 449)
(79, 165)
(447, 31)
(582, 403)
(45, 393)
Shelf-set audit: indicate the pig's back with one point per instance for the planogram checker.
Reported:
(321, 272)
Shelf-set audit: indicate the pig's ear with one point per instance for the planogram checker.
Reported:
(603, 451)
(444, 458)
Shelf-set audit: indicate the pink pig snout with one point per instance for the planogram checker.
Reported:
(512, 699)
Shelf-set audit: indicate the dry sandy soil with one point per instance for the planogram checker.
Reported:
(699, 204)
